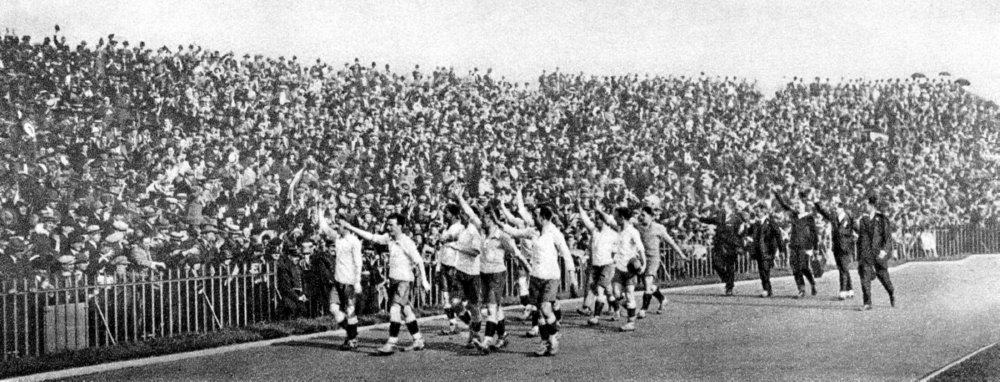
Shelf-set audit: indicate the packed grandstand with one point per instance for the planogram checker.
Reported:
(137, 154)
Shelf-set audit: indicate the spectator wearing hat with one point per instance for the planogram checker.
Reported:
(873, 257)
(844, 232)
(14, 260)
(43, 239)
(67, 264)
(209, 243)
(291, 292)
(140, 255)
(93, 236)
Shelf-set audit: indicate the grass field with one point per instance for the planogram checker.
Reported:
(946, 311)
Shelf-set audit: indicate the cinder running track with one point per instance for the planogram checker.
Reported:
(946, 310)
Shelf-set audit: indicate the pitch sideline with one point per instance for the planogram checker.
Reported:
(117, 365)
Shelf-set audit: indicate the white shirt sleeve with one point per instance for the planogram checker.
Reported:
(381, 239)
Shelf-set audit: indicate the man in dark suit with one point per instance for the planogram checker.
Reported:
(766, 243)
(873, 258)
(727, 241)
(290, 288)
(844, 232)
(803, 242)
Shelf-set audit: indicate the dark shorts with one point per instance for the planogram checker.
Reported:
(343, 295)
(467, 287)
(625, 278)
(542, 290)
(652, 265)
(399, 292)
(446, 278)
(602, 275)
(493, 285)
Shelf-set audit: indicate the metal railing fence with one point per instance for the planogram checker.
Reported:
(45, 316)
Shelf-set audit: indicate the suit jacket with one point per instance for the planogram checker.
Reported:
(873, 236)
(728, 234)
(804, 235)
(289, 278)
(842, 232)
(766, 240)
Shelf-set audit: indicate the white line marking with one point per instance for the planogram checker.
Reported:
(951, 365)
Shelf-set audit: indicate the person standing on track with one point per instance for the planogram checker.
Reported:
(403, 258)
(521, 271)
(803, 241)
(729, 228)
(603, 244)
(467, 280)
(873, 259)
(548, 244)
(652, 234)
(844, 235)
(447, 256)
(765, 244)
(347, 279)
(497, 246)
(630, 263)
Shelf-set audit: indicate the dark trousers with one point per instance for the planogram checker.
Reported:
(764, 269)
(799, 262)
(726, 268)
(869, 269)
(843, 261)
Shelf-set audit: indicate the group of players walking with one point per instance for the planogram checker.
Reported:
(472, 264)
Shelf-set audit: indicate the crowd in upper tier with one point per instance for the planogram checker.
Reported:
(121, 155)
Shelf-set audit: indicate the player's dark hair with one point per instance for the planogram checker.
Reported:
(624, 212)
(399, 218)
(453, 209)
(545, 212)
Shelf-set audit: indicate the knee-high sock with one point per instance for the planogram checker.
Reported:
(659, 295)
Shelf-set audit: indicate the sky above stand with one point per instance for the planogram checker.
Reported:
(767, 41)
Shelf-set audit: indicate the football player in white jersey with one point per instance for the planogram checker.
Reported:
(403, 258)
(347, 278)
(548, 245)
(630, 263)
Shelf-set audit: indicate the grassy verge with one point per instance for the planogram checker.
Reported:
(984, 366)
(176, 344)
(271, 330)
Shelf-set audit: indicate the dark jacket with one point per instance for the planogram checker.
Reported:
(873, 236)
(842, 231)
(289, 278)
(766, 240)
(728, 234)
(804, 235)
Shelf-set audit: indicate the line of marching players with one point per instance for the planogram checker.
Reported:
(482, 238)
(865, 239)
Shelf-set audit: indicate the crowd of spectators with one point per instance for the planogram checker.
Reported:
(120, 157)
